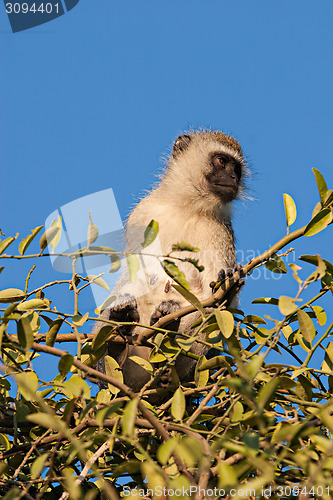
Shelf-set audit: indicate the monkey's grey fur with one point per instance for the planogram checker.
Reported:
(192, 204)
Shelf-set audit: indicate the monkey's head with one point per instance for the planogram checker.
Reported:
(209, 165)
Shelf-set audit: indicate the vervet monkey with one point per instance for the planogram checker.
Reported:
(192, 204)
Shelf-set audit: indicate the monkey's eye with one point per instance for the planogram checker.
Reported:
(221, 161)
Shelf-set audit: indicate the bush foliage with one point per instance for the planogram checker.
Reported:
(249, 425)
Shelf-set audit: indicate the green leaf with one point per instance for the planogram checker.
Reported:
(321, 184)
(184, 247)
(313, 259)
(27, 383)
(8, 241)
(53, 332)
(327, 364)
(251, 439)
(266, 300)
(79, 320)
(287, 305)
(98, 281)
(77, 386)
(190, 297)
(129, 416)
(56, 223)
(178, 405)
(11, 295)
(304, 388)
(31, 304)
(133, 265)
(29, 239)
(320, 315)
(276, 265)
(252, 319)
(92, 358)
(212, 363)
(201, 377)
(172, 270)
(113, 370)
(302, 341)
(65, 364)
(306, 325)
(236, 414)
(102, 336)
(319, 272)
(319, 222)
(150, 233)
(253, 367)
(266, 393)
(25, 333)
(166, 450)
(226, 475)
(329, 198)
(92, 231)
(115, 263)
(105, 304)
(38, 465)
(290, 209)
(225, 320)
(48, 236)
(185, 344)
(143, 363)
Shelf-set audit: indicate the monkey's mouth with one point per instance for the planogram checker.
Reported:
(226, 186)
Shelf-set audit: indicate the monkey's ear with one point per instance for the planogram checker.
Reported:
(181, 144)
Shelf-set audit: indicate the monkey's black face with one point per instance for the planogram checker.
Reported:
(224, 176)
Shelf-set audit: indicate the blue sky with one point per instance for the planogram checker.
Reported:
(95, 98)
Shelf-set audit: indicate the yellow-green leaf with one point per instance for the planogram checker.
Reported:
(11, 295)
(113, 370)
(201, 377)
(102, 336)
(290, 209)
(30, 304)
(306, 325)
(48, 236)
(38, 465)
(226, 475)
(27, 383)
(133, 265)
(143, 363)
(25, 333)
(178, 405)
(56, 223)
(77, 387)
(92, 231)
(150, 233)
(287, 305)
(172, 270)
(65, 364)
(98, 281)
(319, 222)
(5, 243)
(53, 331)
(29, 239)
(189, 296)
(225, 320)
(79, 320)
(321, 184)
(129, 416)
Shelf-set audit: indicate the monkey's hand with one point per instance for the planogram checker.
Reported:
(125, 309)
(235, 284)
